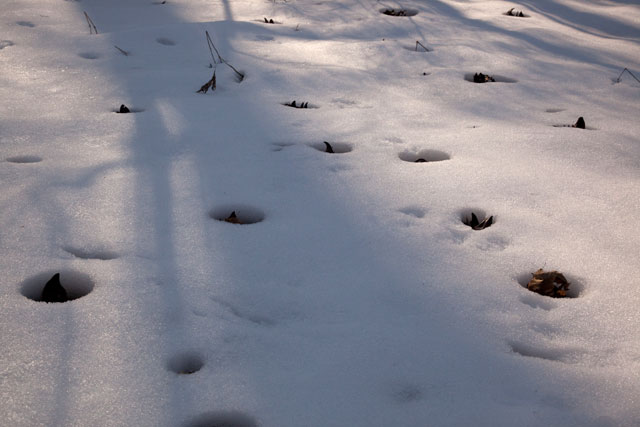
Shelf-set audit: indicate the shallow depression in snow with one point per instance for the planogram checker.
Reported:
(24, 159)
(185, 364)
(424, 156)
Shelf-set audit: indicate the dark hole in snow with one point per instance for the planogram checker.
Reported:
(237, 214)
(424, 156)
(575, 285)
(486, 78)
(399, 12)
(333, 148)
(223, 419)
(127, 110)
(185, 364)
(75, 284)
(24, 159)
(477, 219)
(165, 41)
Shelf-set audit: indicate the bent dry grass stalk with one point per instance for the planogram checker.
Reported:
(92, 26)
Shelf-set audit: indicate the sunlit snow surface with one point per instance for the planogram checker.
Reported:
(357, 297)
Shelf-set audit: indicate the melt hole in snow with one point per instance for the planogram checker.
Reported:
(554, 110)
(237, 214)
(124, 111)
(91, 253)
(516, 13)
(223, 419)
(333, 147)
(496, 78)
(399, 12)
(75, 283)
(424, 156)
(26, 24)
(165, 41)
(24, 159)
(575, 286)
(481, 220)
(89, 55)
(299, 104)
(185, 364)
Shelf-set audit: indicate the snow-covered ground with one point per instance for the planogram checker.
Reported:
(360, 298)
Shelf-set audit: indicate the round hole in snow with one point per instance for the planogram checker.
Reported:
(76, 284)
(575, 285)
(237, 214)
(488, 78)
(24, 159)
(185, 364)
(89, 55)
(424, 156)
(482, 219)
(223, 419)
(398, 12)
(333, 147)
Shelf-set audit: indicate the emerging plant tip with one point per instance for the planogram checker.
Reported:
(233, 219)
(124, 109)
(513, 12)
(328, 147)
(580, 123)
(53, 290)
(482, 78)
(475, 224)
(211, 84)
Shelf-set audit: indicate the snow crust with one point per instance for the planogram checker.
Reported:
(359, 298)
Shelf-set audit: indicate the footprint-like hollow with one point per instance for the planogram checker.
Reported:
(539, 352)
(185, 363)
(24, 159)
(6, 43)
(424, 156)
(486, 78)
(223, 419)
(398, 12)
(237, 214)
(414, 211)
(76, 284)
(165, 41)
(333, 147)
(89, 55)
(98, 253)
(575, 287)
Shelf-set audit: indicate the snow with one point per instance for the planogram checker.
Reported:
(357, 297)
